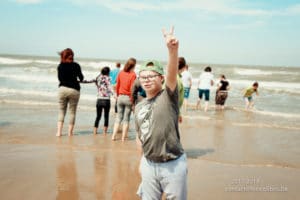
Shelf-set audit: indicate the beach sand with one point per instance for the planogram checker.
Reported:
(225, 160)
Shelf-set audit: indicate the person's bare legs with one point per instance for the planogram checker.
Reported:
(105, 130)
(116, 128)
(185, 102)
(95, 130)
(198, 105)
(71, 128)
(206, 106)
(59, 129)
(125, 131)
(247, 104)
(251, 105)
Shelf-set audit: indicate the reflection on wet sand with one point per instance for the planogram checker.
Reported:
(102, 170)
(66, 175)
(113, 174)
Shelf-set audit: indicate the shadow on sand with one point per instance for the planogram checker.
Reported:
(195, 153)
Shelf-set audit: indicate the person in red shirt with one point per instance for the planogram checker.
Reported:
(125, 81)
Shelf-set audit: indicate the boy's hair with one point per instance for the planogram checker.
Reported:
(118, 65)
(255, 84)
(105, 70)
(223, 76)
(207, 69)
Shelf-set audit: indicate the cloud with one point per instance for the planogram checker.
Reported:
(211, 7)
(228, 7)
(28, 1)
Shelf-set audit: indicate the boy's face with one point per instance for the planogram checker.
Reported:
(151, 81)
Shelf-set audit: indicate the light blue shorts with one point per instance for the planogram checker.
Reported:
(167, 177)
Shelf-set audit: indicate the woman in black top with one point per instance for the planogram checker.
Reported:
(69, 76)
(222, 92)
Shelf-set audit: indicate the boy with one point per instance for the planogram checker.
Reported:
(163, 165)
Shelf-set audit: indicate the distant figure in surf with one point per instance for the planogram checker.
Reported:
(113, 74)
(222, 92)
(69, 75)
(187, 79)
(248, 92)
(206, 80)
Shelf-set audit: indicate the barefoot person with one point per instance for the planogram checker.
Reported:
(124, 85)
(248, 92)
(104, 90)
(206, 80)
(186, 78)
(222, 92)
(163, 165)
(69, 75)
(113, 81)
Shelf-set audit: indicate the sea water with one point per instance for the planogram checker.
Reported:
(32, 81)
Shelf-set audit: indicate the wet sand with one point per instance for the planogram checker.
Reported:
(225, 160)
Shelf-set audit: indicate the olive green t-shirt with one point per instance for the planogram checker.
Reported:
(156, 122)
(249, 91)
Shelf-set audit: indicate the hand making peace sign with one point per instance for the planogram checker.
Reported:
(171, 41)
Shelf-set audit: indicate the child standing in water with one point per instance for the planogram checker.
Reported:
(104, 90)
(222, 92)
(248, 95)
(206, 80)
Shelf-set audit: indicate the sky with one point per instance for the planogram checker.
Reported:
(250, 32)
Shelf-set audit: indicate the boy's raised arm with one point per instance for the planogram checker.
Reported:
(172, 67)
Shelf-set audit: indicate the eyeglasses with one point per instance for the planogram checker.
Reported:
(148, 77)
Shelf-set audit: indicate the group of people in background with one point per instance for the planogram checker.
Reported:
(156, 101)
(205, 82)
(126, 88)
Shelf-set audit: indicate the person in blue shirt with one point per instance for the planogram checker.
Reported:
(113, 81)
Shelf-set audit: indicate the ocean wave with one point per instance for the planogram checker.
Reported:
(255, 72)
(275, 114)
(22, 61)
(32, 69)
(40, 103)
(278, 87)
(30, 78)
(14, 61)
(48, 62)
(31, 93)
(29, 103)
